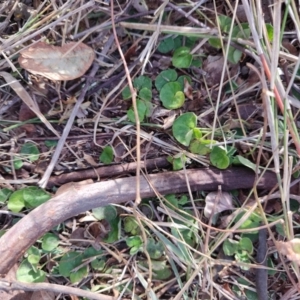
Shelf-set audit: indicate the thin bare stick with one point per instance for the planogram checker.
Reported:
(9, 286)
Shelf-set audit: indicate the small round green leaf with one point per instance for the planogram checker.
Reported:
(142, 110)
(225, 23)
(246, 244)
(182, 57)
(98, 264)
(183, 128)
(34, 255)
(34, 196)
(26, 273)
(166, 45)
(215, 42)
(230, 247)
(4, 194)
(234, 55)
(142, 82)
(79, 274)
(30, 151)
(171, 95)
(18, 163)
(108, 213)
(219, 158)
(198, 147)
(164, 77)
(49, 242)
(107, 155)
(134, 241)
(16, 201)
(68, 262)
(145, 94)
(182, 78)
(126, 94)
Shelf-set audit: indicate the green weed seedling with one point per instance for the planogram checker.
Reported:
(241, 250)
(29, 269)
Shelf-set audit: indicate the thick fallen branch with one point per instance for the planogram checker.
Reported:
(80, 198)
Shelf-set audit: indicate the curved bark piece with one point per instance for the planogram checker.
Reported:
(80, 198)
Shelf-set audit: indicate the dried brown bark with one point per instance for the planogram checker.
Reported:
(80, 198)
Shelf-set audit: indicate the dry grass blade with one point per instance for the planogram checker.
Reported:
(22, 93)
(68, 62)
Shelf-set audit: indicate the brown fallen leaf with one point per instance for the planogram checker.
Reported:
(68, 62)
(216, 202)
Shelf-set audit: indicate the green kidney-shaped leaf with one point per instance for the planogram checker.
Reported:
(34, 255)
(26, 273)
(108, 213)
(16, 201)
(30, 151)
(79, 274)
(126, 94)
(142, 82)
(230, 247)
(171, 95)
(225, 23)
(246, 244)
(182, 57)
(166, 45)
(215, 42)
(142, 110)
(177, 162)
(182, 78)
(183, 128)
(98, 264)
(4, 194)
(234, 55)
(107, 155)
(164, 77)
(34, 196)
(18, 163)
(241, 31)
(219, 158)
(49, 242)
(198, 147)
(134, 241)
(68, 262)
(145, 94)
